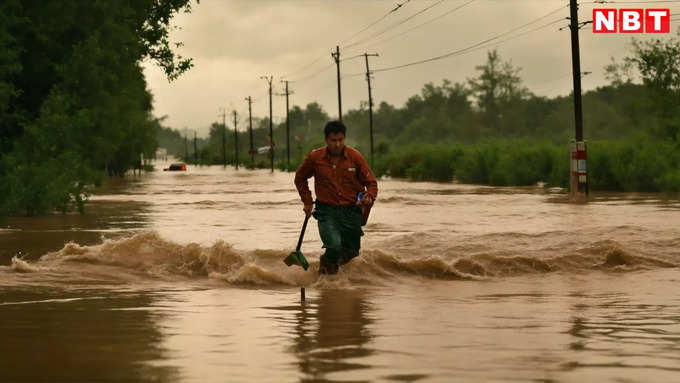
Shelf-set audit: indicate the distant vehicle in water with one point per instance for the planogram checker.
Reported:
(176, 167)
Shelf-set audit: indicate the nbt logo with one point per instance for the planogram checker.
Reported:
(631, 20)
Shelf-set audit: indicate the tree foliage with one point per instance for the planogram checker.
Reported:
(74, 102)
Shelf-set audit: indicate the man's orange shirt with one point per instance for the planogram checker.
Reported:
(336, 184)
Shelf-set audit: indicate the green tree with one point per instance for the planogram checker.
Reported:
(497, 86)
(658, 62)
(74, 102)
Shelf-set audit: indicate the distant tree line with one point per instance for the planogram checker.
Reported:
(74, 106)
(492, 130)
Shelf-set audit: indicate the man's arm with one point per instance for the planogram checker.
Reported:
(303, 173)
(368, 179)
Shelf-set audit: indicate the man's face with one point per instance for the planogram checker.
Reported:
(335, 142)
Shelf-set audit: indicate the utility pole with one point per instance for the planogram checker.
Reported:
(370, 101)
(271, 127)
(336, 57)
(236, 138)
(576, 69)
(186, 145)
(287, 93)
(195, 150)
(579, 174)
(224, 137)
(250, 124)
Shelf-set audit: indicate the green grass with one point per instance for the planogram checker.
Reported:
(644, 165)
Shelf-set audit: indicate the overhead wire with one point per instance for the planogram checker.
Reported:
(260, 97)
(310, 64)
(420, 25)
(352, 57)
(396, 8)
(543, 89)
(325, 86)
(479, 44)
(496, 43)
(311, 76)
(484, 44)
(474, 47)
(630, 2)
(427, 8)
(303, 68)
(541, 86)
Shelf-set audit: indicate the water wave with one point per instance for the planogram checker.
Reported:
(405, 200)
(147, 255)
(21, 266)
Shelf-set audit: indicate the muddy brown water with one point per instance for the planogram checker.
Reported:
(178, 277)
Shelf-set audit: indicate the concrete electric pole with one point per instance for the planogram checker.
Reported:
(336, 57)
(370, 101)
(271, 127)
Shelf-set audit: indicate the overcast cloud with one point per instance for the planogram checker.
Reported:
(234, 42)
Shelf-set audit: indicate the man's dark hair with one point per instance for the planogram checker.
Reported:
(335, 127)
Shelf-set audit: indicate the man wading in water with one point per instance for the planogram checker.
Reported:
(340, 174)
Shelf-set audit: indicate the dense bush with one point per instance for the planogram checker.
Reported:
(646, 165)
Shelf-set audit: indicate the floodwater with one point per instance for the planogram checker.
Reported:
(178, 277)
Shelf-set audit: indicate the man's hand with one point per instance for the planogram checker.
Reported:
(366, 200)
(308, 209)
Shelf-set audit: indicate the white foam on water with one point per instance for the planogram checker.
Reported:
(149, 256)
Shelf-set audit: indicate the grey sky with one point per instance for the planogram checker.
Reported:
(234, 42)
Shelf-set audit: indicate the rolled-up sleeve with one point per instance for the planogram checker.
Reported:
(303, 173)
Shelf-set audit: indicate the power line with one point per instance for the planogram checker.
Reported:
(395, 9)
(472, 48)
(541, 86)
(394, 25)
(399, 6)
(303, 68)
(479, 44)
(421, 25)
(352, 57)
(303, 79)
(630, 2)
(513, 37)
(350, 75)
(259, 98)
(326, 85)
(316, 60)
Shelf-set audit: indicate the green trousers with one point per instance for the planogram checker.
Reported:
(340, 230)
